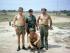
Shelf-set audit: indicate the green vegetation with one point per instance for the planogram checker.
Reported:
(7, 15)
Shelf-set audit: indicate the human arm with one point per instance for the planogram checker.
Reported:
(38, 21)
(50, 20)
(14, 20)
(29, 41)
(38, 39)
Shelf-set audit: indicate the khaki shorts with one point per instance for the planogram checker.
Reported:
(21, 30)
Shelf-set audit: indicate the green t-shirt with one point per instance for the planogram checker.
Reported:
(31, 20)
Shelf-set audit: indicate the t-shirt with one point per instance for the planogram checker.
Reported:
(31, 20)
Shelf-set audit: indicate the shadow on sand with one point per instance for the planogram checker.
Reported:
(49, 46)
(53, 46)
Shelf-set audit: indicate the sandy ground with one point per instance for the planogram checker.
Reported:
(8, 40)
(57, 19)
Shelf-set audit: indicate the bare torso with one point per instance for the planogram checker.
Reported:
(44, 19)
(20, 20)
(33, 38)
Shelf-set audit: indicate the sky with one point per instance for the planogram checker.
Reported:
(50, 5)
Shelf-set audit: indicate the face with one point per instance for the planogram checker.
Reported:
(30, 13)
(20, 12)
(32, 33)
(43, 11)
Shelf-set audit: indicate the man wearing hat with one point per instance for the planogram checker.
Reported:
(31, 21)
(19, 25)
(34, 39)
(45, 22)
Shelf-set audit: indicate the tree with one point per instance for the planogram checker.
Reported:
(4, 12)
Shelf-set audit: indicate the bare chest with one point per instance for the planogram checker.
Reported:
(43, 18)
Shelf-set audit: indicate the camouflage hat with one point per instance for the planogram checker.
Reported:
(31, 29)
(20, 9)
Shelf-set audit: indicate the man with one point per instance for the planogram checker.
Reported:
(31, 21)
(19, 25)
(34, 39)
(43, 21)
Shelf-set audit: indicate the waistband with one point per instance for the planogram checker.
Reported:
(20, 26)
(43, 25)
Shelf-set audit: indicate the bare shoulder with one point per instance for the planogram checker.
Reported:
(39, 16)
(15, 16)
(37, 34)
(24, 17)
(29, 35)
(49, 16)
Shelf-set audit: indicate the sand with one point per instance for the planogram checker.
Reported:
(8, 39)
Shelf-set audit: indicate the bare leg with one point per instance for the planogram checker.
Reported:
(27, 38)
(18, 37)
(23, 46)
(23, 40)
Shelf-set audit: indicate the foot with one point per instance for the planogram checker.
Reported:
(32, 49)
(29, 47)
(18, 49)
(24, 48)
(41, 47)
(46, 48)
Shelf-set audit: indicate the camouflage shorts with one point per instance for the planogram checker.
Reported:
(21, 30)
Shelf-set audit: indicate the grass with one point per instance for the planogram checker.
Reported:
(7, 17)
(10, 16)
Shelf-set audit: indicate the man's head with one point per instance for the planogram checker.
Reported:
(43, 10)
(32, 31)
(30, 12)
(20, 10)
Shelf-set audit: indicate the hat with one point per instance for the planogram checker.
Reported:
(20, 9)
(43, 9)
(31, 29)
(30, 10)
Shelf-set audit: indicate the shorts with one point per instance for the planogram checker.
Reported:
(21, 30)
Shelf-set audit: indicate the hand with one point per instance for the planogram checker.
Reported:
(35, 43)
(16, 29)
(32, 47)
(51, 28)
(13, 25)
(37, 28)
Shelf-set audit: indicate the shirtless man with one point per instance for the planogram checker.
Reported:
(34, 39)
(43, 22)
(19, 25)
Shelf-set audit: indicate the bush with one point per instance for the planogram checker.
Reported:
(68, 14)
